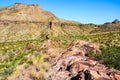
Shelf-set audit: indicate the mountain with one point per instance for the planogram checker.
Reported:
(19, 19)
(25, 12)
(37, 45)
(28, 22)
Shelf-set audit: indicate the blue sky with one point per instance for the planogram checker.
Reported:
(84, 11)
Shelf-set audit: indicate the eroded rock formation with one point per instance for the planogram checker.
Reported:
(74, 65)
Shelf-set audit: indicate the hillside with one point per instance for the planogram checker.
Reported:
(37, 45)
(30, 22)
(25, 12)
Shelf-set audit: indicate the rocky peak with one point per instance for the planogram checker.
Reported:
(19, 4)
(22, 5)
(116, 21)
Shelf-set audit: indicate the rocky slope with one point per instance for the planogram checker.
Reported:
(74, 65)
(33, 46)
(68, 64)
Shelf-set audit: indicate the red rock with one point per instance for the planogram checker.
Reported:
(117, 76)
(74, 62)
(95, 74)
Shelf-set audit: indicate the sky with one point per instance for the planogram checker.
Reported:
(84, 11)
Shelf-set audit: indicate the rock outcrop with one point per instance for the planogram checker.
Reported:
(116, 21)
(74, 65)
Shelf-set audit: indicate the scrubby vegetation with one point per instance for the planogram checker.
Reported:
(22, 42)
(16, 53)
(110, 56)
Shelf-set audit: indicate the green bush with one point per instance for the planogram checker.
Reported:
(110, 56)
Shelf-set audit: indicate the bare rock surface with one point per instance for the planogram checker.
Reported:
(74, 65)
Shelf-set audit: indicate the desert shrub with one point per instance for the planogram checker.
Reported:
(110, 56)
(30, 62)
